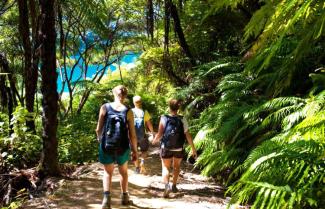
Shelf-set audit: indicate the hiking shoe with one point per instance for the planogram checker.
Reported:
(166, 191)
(137, 170)
(106, 204)
(125, 198)
(174, 189)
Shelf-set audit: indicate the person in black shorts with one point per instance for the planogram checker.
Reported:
(172, 132)
(142, 120)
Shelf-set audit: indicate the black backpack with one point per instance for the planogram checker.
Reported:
(174, 136)
(115, 133)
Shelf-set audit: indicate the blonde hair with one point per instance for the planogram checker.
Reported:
(136, 98)
(120, 90)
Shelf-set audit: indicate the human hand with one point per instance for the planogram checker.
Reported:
(134, 156)
(194, 154)
(154, 142)
(151, 137)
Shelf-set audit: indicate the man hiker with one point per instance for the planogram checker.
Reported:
(141, 122)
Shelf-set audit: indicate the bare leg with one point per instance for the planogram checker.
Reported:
(107, 185)
(137, 162)
(166, 163)
(107, 178)
(141, 155)
(176, 169)
(123, 169)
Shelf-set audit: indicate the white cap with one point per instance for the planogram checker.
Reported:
(136, 98)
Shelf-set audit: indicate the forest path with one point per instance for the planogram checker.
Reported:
(85, 189)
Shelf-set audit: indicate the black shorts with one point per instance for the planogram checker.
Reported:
(165, 153)
(143, 145)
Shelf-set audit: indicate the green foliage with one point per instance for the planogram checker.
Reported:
(285, 39)
(22, 148)
(76, 133)
(242, 120)
(218, 32)
(283, 175)
(255, 98)
(77, 139)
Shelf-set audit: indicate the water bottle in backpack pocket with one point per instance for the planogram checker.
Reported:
(115, 132)
(174, 136)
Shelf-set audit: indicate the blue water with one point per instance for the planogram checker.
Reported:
(127, 59)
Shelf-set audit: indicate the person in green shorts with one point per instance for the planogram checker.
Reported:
(115, 145)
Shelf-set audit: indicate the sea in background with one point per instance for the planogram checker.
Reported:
(127, 61)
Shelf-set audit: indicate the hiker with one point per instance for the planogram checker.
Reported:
(141, 121)
(172, 131)
(116, 134)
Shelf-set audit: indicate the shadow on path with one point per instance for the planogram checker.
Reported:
(85, 191)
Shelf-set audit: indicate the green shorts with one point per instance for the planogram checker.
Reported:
(109, 158)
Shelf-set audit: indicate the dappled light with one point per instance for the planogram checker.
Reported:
(234, 88)
(85, 190)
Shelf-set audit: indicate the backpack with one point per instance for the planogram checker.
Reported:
(174, 136)
(115, 133)
(139, 124)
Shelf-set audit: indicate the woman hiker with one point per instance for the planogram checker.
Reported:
(172, 132)
(116, 134)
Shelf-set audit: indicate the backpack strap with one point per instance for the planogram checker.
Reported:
(108, 107)
(135, 115)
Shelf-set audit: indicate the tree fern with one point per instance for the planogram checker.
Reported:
(299, 164)
(295, 170)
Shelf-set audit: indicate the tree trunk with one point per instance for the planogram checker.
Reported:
(34, 13)
(150, 19)
(180, 5)
(10, 109)
(60, 21)
(3, 93)
(168, 67)
(179, 31)
(49, 160)
(7, 94)
(167, 23)
(5, 69)
(29, 74)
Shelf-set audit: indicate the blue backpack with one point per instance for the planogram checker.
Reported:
(139, 124)
(174, 136)
(115, 133)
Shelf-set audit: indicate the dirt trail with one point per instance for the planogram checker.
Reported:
(85, 191)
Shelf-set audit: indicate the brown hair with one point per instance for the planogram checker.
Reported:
(120, 89)
(174, 104)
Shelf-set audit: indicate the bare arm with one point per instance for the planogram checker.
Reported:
(149, 125)
(147, 120)
(190, 142)
(100, 122)
(132, 134)
(159, 134)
